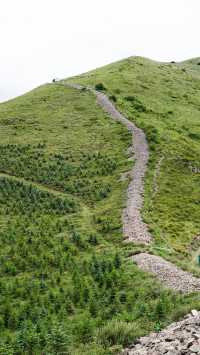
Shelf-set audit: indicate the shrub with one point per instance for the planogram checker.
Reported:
(117, 91)
(152, 134)
(117, 261)
(100, 87)
(194, 135)
(113, 98)
(77, 240)
(135, 103)
(117, 332)
(130, 98)
(93, 239)
(58, 340)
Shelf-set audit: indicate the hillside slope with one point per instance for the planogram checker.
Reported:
(164, 100)
(67, 284)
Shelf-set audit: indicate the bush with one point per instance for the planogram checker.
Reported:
(194, 135)
(152, 134)
(58, 340)
(117, 91)
(130, 98)
(136, 103)
(100, 87)
(117, 332)
(113, 98)
(93, 239)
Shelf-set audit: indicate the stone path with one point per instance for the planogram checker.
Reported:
(168, 273)
(178, 339)
(134, 229)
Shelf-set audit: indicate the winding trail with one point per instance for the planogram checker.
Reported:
(134, 229)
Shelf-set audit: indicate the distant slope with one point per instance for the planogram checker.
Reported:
(164, 100)
(191, 66)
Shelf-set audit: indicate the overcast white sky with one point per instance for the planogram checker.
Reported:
(42, 39)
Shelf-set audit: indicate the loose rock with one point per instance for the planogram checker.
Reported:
(158, 343)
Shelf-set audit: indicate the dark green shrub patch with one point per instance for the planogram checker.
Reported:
(100, 87)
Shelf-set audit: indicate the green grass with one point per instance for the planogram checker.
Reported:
(66, 283)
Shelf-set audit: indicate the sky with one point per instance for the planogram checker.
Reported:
(43, 39)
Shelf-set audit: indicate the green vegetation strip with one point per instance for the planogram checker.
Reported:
(38, 186)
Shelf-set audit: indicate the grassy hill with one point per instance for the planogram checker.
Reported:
(164, 100)
(66, 283)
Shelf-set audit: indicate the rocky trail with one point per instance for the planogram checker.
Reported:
(134, 229)
(168, 273)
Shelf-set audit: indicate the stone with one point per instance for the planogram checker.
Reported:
(196, 336)
(194, 313)
(190, 343)
(169, 338)
(195, 349)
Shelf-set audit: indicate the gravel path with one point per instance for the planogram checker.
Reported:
(177, 339)
(168, 273)
(134, 229)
